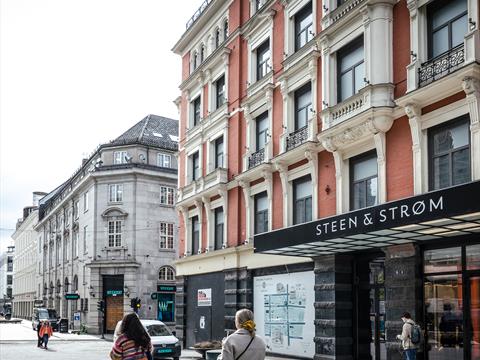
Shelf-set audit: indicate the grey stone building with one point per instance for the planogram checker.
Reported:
(6, 278)
(109, 232)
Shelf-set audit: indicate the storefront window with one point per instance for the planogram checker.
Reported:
(475, 316)
(444, 317)
(473, 257)
(443, 260)
(166, 307)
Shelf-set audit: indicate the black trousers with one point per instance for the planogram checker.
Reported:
(39, 341)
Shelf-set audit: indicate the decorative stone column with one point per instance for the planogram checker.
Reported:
(181, 308)
(471, 86)
(333, 308)
(414, 115)
(403, 287)
(245, 185)
(238, 294)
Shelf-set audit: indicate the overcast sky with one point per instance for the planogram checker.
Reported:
(74, 74)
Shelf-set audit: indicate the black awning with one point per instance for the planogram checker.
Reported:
(440, 214)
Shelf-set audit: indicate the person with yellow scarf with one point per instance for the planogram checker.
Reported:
(243, 344)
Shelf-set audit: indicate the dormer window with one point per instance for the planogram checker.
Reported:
(120, 157)
(263, 59)
(350, 69)
(303, 26)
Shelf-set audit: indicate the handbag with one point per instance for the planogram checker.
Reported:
(243, 352)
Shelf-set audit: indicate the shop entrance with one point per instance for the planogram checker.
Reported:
(370, 308)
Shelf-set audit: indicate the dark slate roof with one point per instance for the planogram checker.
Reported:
(152, 130)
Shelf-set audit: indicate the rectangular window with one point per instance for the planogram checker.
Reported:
(115, 192)
(85, 232)
(115, 233)
(195, 165)
(68, 213)
(303, 105)
(9, 279)
(220, 92)
(363, 180)
(302, 197)
(85, 202)
(219, 226)
(261, 212)
(164, 160)
(449, 153)
(261, 130)
(196, 111)
(303, 26)
(219, 153)
(263, 59)
(66, 247)
(166, 235)
(10, 263)
(195, 235)
(447, 25)
(167, 195)
(75, 244)
(120, 157)
(350, 69)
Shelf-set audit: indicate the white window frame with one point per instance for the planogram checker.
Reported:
(115, 233)
(118, 190)
(85, 201)
(120, 157)
(164, 160)
(167, 270)
(292, 8)
(167, 190)
(167, 240)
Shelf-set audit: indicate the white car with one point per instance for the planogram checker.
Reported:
(165, 344)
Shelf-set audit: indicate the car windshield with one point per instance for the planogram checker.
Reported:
(43, 314)
(157, 330)
(52, 314)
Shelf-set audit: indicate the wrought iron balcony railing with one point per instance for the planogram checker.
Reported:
(256, 158)
(441, 65)
(296, 138)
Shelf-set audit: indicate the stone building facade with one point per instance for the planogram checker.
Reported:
(109, 232)
(313, 135)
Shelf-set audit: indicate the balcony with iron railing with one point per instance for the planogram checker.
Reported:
(197, 14)
(256, 158)
(441, 65)
(296, 138)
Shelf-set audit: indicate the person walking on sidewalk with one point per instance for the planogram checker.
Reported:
(243, 344)
(134, 343)
(409, 347)
(46, 332)
(39, 338)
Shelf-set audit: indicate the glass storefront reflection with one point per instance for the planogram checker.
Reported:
(444, 317)
(475, 316)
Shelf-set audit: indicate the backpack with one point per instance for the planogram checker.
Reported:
(416, 336)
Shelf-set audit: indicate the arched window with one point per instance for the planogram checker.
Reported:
(225, 30)
(166, 273)
(217, 37)
(202, 53)
(65, 285)
(75, 283)
(195, 60)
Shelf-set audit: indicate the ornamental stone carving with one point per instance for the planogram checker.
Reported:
(471, 85)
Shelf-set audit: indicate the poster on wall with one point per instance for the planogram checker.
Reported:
(204, 297)
(284, 312)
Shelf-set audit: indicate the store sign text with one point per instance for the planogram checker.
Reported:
(389, 214)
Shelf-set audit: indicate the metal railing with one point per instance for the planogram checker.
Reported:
(441, 66)
(296, 138)
(256, 158)
(197, 13)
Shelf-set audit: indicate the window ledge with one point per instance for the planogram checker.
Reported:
(166, 250)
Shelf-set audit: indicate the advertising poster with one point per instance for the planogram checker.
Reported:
(284, 312)
(204, 297)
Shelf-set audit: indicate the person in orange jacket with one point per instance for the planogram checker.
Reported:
(45, 333)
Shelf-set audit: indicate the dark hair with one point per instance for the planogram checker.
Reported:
(407, 315)
(133, 329)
